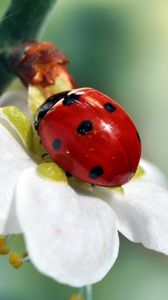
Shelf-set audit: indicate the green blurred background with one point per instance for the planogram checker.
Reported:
(121, 48)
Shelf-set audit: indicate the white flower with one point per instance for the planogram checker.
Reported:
(71, 234)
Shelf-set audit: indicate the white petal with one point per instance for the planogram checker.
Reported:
(153, 173)
(13, 160)
(70, 238)
(16, 98)
(143, 214)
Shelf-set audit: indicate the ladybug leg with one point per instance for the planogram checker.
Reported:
(44, 156)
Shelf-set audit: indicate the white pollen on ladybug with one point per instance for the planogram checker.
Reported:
(79, 91)
(93, 101)
(106, 126)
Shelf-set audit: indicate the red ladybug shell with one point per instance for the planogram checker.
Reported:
(90, 136)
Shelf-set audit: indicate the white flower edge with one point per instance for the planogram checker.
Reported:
(142, 213)
(69, 237)
(73, 238)
(13, 160)
(153, 173)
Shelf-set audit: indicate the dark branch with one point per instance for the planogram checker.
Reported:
(22, 21)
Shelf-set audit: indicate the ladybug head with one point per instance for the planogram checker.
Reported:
(46, 106)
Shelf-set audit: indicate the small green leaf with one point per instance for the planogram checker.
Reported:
(118, 189)
(52, 171)
(20, 123)
(139, 173)
(80, 185)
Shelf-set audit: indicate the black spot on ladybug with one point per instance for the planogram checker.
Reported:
(109, 107)
(85, 127)
(46, 106)
(70, 99)
(96, 172)
(56, 144)
(138, 136)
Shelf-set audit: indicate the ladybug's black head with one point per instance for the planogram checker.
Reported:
(69, 97)
(46, 106)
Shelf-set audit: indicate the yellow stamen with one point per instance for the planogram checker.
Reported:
(2, 239)
(4, 250)
(16, 260)
(76, 297)
(3, 247)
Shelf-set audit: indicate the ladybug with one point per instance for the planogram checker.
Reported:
(90, 136)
